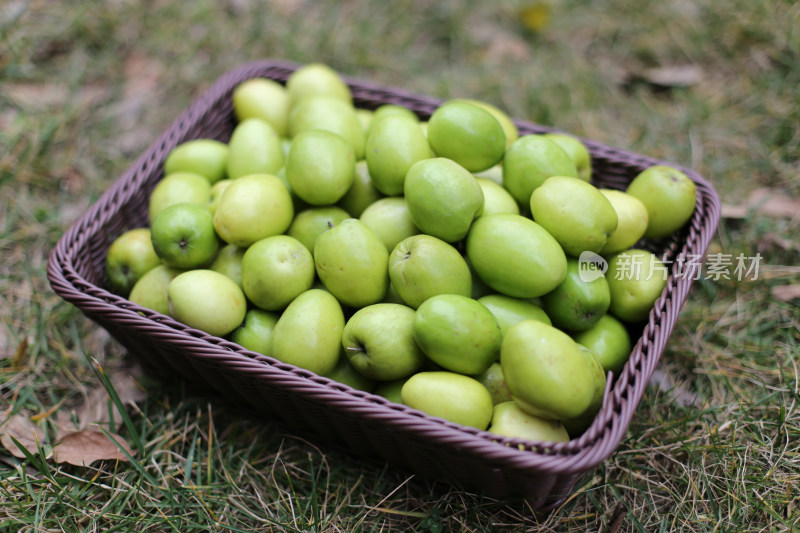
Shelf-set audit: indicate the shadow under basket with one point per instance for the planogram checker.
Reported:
(328, 412)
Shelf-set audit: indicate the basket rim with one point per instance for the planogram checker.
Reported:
(622, 394)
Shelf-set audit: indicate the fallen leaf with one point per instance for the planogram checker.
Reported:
(679, 393)
(771, 241)
(664, 78)
(497, 43)
(64, 424)
(764, 201)
(99, 408)
(677, 76)
(82, 448)
(285, 8)
(97, 343)
(30, 435)
(143, 75)
(785, 293)
(4, 338)
(535, 15)
(37, 95)
(52, 95)
(22, 351)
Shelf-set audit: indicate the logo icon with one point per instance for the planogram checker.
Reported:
(591, 266)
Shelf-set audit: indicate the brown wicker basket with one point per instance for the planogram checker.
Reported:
(324, 410)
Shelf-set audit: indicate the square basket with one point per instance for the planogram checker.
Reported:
(327, 411)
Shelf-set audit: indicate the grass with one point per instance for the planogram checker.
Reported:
(86, 86)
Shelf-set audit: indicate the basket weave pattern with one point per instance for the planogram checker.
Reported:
(324, 410)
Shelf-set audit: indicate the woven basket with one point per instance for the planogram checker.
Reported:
(327, 411)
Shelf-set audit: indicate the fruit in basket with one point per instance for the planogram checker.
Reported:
(255, 333)
(577, 425)
(457, 333)
(229, 262)
(365, 117)
(669, 196)
(265, 99)
(509, 128)
(529, 161)
(309, 332)
(323, 113)
(454, 397)
(254, 148)
(390, 219)
(310, 223)
(545, 371)
(636, 278)
(577, 151)
(609, 340)
(496, 199)
(316, 79)
(379, 342)
(467, 134)
(391, 390)
(479, 288)
(207, 157)
(320, 167)
(510, 311)
(422, 266)
(494, 174)
(492, 378)
(344, 372)
(515, 256)
(361, 194)
(215, 194)
(386, 110)
(252, 208)
(574, 212)
(275, 271)
(178, 188)
(130, 256)
(631, 221)
(576, 305)
(151, 289)
(443, 198)
(183, 236)
(508, 420)
(298, 203)
(352, 263)
(497, 243)
(395, 143)
(206, 300)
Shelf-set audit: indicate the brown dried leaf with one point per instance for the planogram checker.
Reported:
(143, 75)
(30, 435)
(535, 15)
(785, 293)
(52, 95)
(22, 351)
(498, 44)
(38, 94)
(771, 241)
(4, 352)
(82, 448)
(677, 391)
(677, 76)
(64, 424)
(764, 201)
(99, 408)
